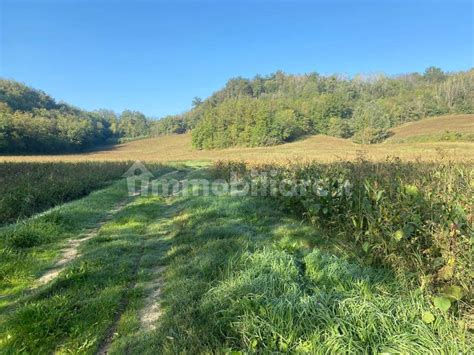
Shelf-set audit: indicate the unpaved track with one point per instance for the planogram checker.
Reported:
(71, 252)
(110, 333)
(151, 313)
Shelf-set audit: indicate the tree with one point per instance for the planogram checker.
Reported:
(197, 101)
(133, 124)
(370, 123)
(339, 127)
(434, 75)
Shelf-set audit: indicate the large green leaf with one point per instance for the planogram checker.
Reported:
(442, 303)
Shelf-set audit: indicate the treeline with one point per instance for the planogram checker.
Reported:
(33, 122)
(265, 110)
(281, 107)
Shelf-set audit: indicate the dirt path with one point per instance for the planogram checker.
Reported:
(151, 312)
(71, 252)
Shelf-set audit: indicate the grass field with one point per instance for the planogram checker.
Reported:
(319, 148)
(377, 259)
(111, 273)
(28, 188)
(423, 130)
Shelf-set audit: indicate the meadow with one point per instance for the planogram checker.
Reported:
(416, 141)
(379, 269)
(375, 258)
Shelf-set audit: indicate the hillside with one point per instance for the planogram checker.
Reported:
(280, 107)
(33, 122)
(318, 147)
(456, 127)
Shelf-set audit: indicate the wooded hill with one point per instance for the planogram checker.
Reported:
(280, 107)
(262, 111)
(33, 122)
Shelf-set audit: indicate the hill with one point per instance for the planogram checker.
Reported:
(444, 128)
(33, 122)
(321, 148)
(280, 107)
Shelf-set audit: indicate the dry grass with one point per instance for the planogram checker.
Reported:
(320, 148)
(454, 123)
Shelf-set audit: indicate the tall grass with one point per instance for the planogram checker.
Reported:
(244, 277)
(27, 188)
(416, 218)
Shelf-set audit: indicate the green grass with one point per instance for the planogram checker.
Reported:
(28, 188)
(241, 275)
(75, 311)
(30, 247)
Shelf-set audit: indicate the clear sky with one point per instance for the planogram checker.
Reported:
(155, 56)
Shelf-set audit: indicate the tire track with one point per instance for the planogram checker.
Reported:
(71, 252)
(151, 312)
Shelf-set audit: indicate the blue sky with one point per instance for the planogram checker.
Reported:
(155, 56)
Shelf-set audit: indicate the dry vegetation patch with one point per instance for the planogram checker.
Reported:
(319, 147)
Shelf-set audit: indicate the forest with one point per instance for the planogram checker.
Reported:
(33, 122)
(281, 107)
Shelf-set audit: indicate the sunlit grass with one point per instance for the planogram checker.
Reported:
(241, 275)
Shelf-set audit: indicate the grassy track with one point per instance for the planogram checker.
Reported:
(240, 275)
(40, 318)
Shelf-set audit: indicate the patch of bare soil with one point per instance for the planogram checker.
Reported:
(71, 252)
(151, 313)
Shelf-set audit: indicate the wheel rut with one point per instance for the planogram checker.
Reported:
(71, 252)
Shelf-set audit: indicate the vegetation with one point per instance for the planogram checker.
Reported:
(415, 218)
(259, 112)
(237, 273)
(447, 136)
(280, 107)
(28, 188)
(319, 147)
(347, 251)
(33, 122)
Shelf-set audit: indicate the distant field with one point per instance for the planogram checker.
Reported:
(320, 148)
(436, 128)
